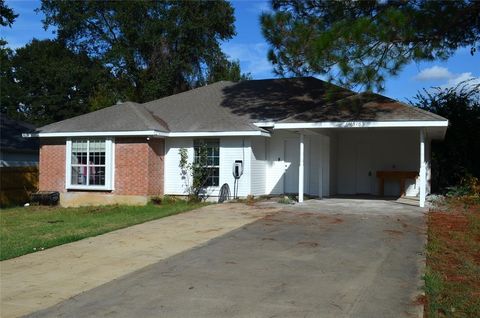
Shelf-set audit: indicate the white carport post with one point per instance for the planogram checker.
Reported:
(423, 170)
(300, 169)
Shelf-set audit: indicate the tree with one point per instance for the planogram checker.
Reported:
(7, 16)
(159, 47)
(45, 82)
(226, 70)
(457, 156)
(359, 43)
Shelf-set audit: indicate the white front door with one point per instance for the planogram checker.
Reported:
(292, 160)
(363, 169)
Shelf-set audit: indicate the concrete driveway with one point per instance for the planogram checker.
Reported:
(329, 258)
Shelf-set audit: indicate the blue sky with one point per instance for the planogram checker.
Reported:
(250, 48)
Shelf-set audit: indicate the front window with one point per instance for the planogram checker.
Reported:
(89, 163)
(212, 152)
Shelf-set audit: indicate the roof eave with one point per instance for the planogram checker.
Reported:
(148, 133)
(363, 124)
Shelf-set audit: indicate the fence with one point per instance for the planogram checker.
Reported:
(16, 183)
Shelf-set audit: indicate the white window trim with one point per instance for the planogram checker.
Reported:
(211, 187)
(109, 168)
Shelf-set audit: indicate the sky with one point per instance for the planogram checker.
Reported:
(250, 48)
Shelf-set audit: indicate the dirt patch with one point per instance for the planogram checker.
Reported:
(453, 260)
(308, 243)
(268, 239)
(393, 232)
(271, 218)
(336, 221)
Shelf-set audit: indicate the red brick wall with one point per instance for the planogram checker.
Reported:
(155, 166)
(138, 166)
(52, 165)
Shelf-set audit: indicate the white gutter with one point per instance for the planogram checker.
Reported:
(361, 124)
(146, 133)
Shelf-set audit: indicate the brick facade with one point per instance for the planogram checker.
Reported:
(138, 166)
(52, 165)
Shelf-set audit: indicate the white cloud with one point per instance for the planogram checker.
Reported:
(259, 6)
(458, 78)
(434, 73)
(252, 57)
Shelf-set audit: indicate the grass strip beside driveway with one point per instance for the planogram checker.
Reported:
(26, 230)
(452, 280)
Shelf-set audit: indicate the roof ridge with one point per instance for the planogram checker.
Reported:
(145, 116)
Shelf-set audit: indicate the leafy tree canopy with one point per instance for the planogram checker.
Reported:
(457, 156)
(359, 43)
(159, 47)
(7, 16)
(45, 82)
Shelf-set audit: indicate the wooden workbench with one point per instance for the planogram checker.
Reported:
(401, 176)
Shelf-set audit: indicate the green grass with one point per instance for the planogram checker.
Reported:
(452, 279)
(25, 230)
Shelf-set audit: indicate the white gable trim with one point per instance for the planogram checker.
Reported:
(218, 134)
(147, 133)
(363, 124)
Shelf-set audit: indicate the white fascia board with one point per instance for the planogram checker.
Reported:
(97, 134)
(363, 124)
(147, 133)
(266, 124)
(218, 134)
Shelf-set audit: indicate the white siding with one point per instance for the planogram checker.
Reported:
(276, 161)
(173, 182)
(389, 150)
(231, 149)
(259, 166)
(316, 164)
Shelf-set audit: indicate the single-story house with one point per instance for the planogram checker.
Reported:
(16, 151)
(296, 135)
(18, 161)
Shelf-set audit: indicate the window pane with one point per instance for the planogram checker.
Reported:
(97, 175)
(213, 159)
(79, 152)
(97, 152)
(79, 175)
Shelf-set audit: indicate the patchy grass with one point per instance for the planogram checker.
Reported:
(452, 280)
(25, 230)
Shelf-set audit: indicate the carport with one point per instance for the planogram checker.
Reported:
(346, 158)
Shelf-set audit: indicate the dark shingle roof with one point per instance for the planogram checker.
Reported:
(127, 116)
(229, 106)
(11, 135)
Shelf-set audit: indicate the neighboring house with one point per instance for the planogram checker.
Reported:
(297, 135)
(18, 162)
(15, 150)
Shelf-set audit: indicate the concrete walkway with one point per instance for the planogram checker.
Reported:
(40, 280)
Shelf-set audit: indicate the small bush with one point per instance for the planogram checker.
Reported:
(157, 200)
(286, 200)
(469, 186)
(250, 200)
(166, 199)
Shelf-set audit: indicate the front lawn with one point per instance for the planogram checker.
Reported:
(25, 230)
(452, 278)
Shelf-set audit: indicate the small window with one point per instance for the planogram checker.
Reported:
(90, 164)
(212, 147)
